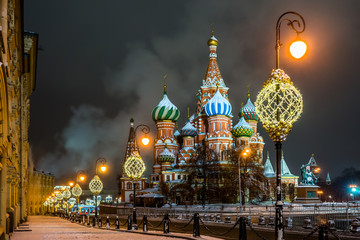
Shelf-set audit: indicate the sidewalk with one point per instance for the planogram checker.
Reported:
(55, 228)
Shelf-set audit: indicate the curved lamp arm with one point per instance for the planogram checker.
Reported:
(144, 128)
(296, 25)
(77, 175)
(102, 161)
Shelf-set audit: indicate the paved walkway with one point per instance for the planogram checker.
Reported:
(55, 228)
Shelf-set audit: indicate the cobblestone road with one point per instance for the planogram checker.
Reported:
(55, 228)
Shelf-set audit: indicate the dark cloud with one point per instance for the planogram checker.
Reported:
(103, 64)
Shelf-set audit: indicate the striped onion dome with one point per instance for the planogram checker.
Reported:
(249, 112)
(188, 130)
(242, 129)
(166, 156)
(218, 105)
(165, 110)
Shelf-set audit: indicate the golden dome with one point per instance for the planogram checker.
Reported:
(213, 41)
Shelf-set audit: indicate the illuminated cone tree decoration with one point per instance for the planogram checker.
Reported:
(279, 104)
(76, 190)
(134, 166)
(96, 185)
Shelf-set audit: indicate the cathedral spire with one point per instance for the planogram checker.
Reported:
(213, 75)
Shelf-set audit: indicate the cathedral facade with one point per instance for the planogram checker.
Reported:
(211, 124)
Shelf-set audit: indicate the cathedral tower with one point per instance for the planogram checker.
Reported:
(211, 82)
(165, 115)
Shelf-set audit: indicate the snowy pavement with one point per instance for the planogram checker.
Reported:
(55, 228)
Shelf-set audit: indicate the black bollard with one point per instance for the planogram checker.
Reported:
(196, 227)
(117, 223)
(323, 233)
(242, 229)
(100, 223)
(107, 222)
(129, 223)
(94, 222)
(145, 224)
(166, 224)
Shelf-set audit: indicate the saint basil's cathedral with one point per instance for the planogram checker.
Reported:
(212, 124)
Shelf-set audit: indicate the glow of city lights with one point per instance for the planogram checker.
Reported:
(298, 49)
(353, 189)
(82, 178)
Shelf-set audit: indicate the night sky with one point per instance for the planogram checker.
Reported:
(101, 63)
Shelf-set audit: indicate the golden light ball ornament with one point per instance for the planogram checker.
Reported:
(278, 105)
(66, 194)
(76, 190)
(134, 166)
(59, 196)
(96, 185)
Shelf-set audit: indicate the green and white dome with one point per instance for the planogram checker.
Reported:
(165, 110)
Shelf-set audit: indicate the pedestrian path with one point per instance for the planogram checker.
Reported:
(55, 228)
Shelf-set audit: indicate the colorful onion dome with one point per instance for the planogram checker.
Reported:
(166, 156)
(248, 111)
(213, 41)
(218, 105)
(188, 130)
(165, 110)
(242, 129)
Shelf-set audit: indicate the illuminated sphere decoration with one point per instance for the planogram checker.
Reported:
(134, 166)
(59, 196)
(279, 104)
(66, 194)
(96, 185)
(76, 190)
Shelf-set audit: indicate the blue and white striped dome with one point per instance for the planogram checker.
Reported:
(188, 130)
(218, 105)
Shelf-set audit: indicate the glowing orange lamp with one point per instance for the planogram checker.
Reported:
(145, 141)
(298, 49)
(103, 168)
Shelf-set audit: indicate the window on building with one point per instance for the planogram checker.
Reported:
(179, 177)
(128, 185)
(167, 178)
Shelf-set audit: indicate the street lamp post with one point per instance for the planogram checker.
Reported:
(66, 196)
(134, 167)
(96, 184)
(279, 104)
(244, 153)
(76, 190)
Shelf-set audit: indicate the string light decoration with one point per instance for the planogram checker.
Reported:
(279, 104)
(134, 166)
(96, 185)
(66, 194)
(76, 190)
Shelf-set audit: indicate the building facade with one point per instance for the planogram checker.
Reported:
(41, 185)
(18, 57)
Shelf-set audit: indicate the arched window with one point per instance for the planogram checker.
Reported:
(167, 178)
(128, 185)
